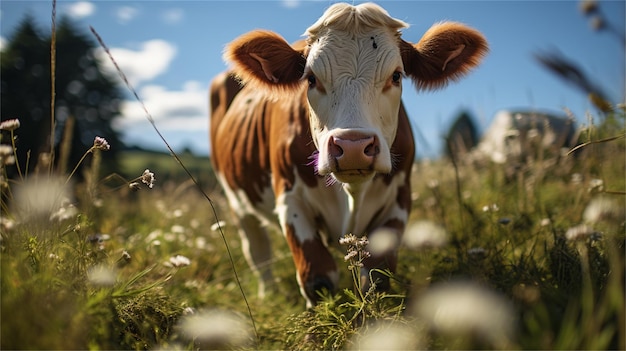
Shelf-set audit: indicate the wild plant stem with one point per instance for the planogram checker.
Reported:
(53, 54)
(17, 161)
(78, 165)
(178, 160)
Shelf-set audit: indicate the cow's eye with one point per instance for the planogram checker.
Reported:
(396, 77)
(312, 81)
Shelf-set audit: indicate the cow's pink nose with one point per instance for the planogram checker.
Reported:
(353, 152)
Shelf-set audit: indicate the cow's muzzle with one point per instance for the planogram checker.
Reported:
(353, 155)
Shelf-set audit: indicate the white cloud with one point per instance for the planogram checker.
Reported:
(81, 9)
(126, 14)
(152, 59)
(3, 43)
(173, 110)
(290, 3)
(173, 16)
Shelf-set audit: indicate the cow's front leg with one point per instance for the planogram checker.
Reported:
(316, 269)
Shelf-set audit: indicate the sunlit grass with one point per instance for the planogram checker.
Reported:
(533, 260)
(117, 268)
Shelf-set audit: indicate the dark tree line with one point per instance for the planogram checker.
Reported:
(86, 101)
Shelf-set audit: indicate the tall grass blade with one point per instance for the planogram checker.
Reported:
(178, 160)
(53, 64)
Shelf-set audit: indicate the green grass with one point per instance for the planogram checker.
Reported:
(102, 278)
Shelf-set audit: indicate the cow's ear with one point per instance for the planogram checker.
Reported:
(264, 59)
(447, 51)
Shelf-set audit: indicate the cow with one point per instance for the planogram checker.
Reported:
(314, 137)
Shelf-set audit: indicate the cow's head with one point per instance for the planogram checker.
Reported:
(352, 67)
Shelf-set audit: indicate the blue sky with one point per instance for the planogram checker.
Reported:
(171, 49)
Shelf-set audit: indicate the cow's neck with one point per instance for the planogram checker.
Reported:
(356, 193)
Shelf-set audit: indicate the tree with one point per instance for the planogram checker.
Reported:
(462, 136)
(87, 101)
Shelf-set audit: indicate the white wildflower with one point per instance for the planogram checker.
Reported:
(179, 261)
(383, 241)
(464, 308)
(579, 232)
(351, 254)
(101, 275)
(39, 198)
(6, 150)
(66, 211)
(216, 329)
(491, 208)
(217, 225)
(423, 234)
(596, 185)
(603, 209)
(178, 229)
(433, 183)
(348, 239)
(6, 224)
(577, 178)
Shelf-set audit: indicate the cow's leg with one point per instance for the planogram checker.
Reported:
(316, 269)
(256, 247)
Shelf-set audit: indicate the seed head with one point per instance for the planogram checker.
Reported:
(588, 6)
(101, 144)
(10, 124)
(6, 155)
(148, 178)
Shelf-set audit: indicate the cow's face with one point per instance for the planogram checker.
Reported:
(354, 88)
(352, 67)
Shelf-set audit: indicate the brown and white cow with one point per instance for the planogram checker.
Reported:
(316, 138)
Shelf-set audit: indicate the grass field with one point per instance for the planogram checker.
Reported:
(530, 261)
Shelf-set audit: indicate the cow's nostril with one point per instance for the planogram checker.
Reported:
(371, 150)
(335, 150)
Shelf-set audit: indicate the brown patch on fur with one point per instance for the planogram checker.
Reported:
(294, 145)
(241, 157)
(311, 258)
(403, 147)
(447, 51)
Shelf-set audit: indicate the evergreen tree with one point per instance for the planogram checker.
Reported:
(83, 93)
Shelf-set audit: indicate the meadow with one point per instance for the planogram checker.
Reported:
(490, 261)
(147, 258)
